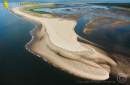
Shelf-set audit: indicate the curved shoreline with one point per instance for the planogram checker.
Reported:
(85, 65)
(30, 49)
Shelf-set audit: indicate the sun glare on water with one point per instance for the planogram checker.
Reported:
(5, 4)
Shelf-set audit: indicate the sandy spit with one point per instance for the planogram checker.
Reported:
(56, 42)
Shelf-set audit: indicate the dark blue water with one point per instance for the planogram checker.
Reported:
(17, 65)
(113, 39)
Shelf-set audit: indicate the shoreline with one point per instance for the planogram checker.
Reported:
(69, 57)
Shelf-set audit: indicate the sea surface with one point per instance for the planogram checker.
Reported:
(17, 65)
(20, 67)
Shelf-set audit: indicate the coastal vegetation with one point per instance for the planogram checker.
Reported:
(30, 6)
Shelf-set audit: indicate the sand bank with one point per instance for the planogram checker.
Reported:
(56, 42)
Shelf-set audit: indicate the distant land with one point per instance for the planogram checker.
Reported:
(126, 5)
(87, 1)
